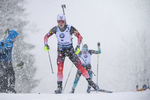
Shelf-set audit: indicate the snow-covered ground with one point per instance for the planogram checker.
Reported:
(114, 23)
(145, 95)
(108, 22)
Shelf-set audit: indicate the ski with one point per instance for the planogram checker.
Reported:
(102, 90)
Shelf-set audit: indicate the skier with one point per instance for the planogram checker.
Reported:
(85, 57)
(6, 62)
(142, 89)
(64, 34)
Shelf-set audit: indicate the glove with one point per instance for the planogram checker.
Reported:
(98, 44)
(137, 86)
(88, 68)
(2, 44)
(77, 49)
(20, 64)
(46, 47)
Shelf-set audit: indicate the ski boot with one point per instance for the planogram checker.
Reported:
(72, 90)
(88, 90)
(59, 88)
(92, 84)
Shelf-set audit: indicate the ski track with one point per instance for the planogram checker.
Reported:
(145, 95)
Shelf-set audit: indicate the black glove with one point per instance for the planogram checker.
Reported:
(2, 44)
(47, 46)
(137, 86)
(98, 44)
(77, 47)
(88, 67)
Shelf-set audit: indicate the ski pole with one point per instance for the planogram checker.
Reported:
(98, 61)
(63, 6)
(50, 62)
(17, 67)
(68, 77)
(82, 43)
(93, 73)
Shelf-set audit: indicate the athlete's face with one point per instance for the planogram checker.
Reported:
(61, 23)
(85, 50)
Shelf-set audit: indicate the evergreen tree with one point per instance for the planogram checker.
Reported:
(12, 14)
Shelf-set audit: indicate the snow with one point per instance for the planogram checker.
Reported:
(145, 95)
(113, 23)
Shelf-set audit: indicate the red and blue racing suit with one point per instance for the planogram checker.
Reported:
(65, 48)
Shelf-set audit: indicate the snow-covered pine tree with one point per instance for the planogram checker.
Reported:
(12, 13)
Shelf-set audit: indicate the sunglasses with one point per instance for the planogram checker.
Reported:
(61, 21)
(84, 49)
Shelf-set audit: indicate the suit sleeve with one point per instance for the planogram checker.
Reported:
(94, 51)
(50, 33)
(77, 34)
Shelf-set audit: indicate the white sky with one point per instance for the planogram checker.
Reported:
(105, 21)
